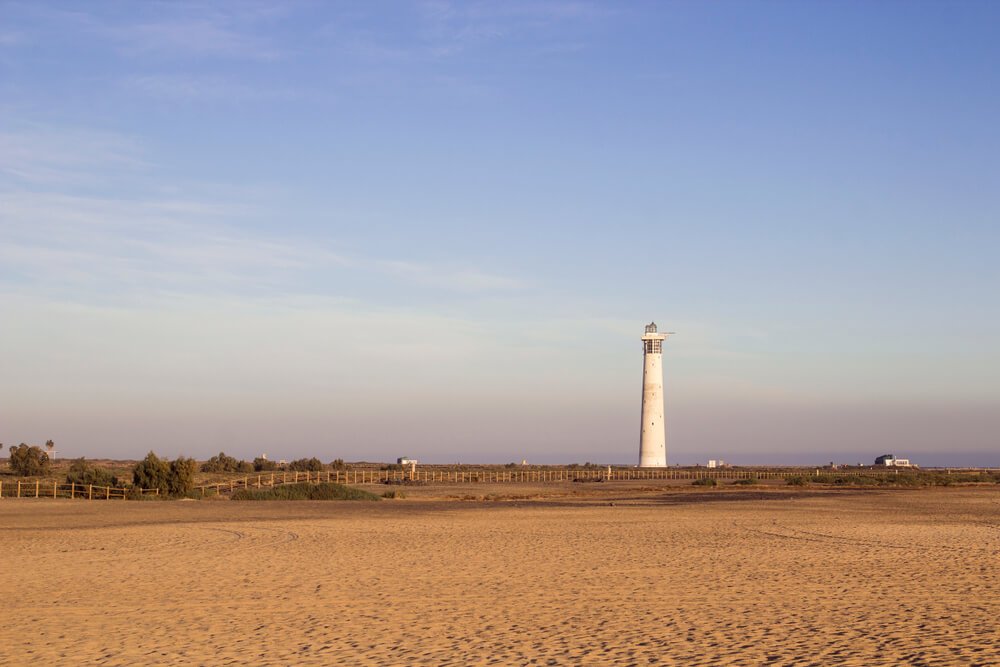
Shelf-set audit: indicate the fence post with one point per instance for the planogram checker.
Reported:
(107, 492)
(37, 483)
(55, 488)
(18, 488)
(1, 488)
(90, 492)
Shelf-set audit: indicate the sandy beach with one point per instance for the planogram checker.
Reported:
(618, 576)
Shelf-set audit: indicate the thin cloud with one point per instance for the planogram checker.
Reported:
(47, 155)
(452, 278)
(8, 39)
(100, 245)
(182, 87)
(452, 28)
(179, 31)
(185, 38)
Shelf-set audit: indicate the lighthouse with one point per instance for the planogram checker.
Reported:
(652, 434)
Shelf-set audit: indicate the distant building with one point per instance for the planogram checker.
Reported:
(890, 461)
(712, 463)
(406, 461)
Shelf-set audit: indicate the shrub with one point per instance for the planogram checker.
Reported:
(395, 494)
(260, 464)
(304, 491)
(28, 460)
(338, 464)
(181, 480)
(307, 465)
(152, 473)
(844, 480)
(797, 480)
(749, 481)
(223, 463)
(174, 478)
(705, 481)
(81, 472)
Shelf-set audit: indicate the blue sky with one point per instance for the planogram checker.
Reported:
(437, 229)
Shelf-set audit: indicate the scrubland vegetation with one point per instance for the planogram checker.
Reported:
(28, 460)
(908, 478)
(324, 491)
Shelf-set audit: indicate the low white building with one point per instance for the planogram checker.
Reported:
(890, 461)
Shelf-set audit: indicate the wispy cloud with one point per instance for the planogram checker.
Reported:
(157, 240)
(52, 155)
(10, 38)
(189, 87)
(453, 27)
(212, 36)
(443, 30)
(174, 31)
(457, 278)
(113, 247)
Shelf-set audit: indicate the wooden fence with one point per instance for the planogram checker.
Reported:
(431, 476)
(46, 489)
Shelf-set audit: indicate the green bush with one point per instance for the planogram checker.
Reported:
(28, 460)
(797, 480)
(152, 473)
(749, 481)
(304, 491)
(394, 494)
(81, 472)
(307, 465)
(844, 480)
(171, 478)
(338, 464)
(182, 472)
(223, 463)
(705, 481)
(260, 464)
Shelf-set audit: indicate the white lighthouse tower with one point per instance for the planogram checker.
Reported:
(652, 434)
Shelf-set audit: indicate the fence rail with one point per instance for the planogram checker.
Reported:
(430, 476)
(46, 489)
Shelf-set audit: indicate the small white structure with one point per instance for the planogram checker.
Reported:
(890, 461)
(406, 461)
(652, 434)
(712, 463)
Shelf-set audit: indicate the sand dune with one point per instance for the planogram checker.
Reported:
(874, 578)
